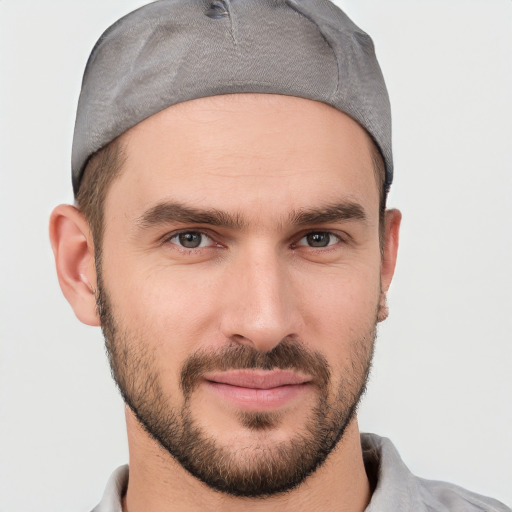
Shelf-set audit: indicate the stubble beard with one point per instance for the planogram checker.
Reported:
(265, 469)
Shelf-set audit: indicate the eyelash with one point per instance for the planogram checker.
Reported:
(169, 239)
(338, 239)
(332, 235)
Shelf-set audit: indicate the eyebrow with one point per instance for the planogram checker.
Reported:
(344, 211)
(172, 212)
(169, 212)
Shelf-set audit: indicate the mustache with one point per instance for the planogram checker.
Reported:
(287, 355)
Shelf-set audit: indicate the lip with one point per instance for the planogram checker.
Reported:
(258, 379)
(258, 390)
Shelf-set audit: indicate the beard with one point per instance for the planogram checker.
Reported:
(267, 468)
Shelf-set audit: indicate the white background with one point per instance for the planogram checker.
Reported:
(442, 381)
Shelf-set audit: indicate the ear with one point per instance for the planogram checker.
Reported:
(389, 254)
(73, 248)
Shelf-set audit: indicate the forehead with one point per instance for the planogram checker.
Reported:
(245, 151)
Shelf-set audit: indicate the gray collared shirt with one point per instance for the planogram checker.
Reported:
(396, 489)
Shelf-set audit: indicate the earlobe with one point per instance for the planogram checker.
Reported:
(73, 249)
(383, 310)
(389, 256)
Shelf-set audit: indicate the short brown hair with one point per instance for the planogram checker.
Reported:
(101, 170)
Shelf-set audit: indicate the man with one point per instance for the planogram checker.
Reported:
(230, 164)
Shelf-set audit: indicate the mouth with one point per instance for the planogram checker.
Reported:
(258, 390)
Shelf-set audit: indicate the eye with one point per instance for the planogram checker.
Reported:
(191, 240)
(319, 239)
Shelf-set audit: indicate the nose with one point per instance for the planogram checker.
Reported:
(259, 305)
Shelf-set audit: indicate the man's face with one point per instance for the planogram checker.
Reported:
(240, 284)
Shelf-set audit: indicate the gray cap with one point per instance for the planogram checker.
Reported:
(172, 51)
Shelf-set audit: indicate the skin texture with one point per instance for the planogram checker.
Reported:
(273, 166)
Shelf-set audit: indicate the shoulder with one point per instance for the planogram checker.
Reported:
(397, 489)
(114, 491)
(447, 496)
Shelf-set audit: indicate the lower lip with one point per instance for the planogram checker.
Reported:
(258, 399)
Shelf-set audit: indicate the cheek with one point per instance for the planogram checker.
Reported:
(339, 308)
(342, 325)
(171, 308)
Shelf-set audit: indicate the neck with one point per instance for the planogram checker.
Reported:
(159, 484)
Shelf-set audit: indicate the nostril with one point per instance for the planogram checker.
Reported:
(217, 10)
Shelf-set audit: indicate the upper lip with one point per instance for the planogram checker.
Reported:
(258, 379)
